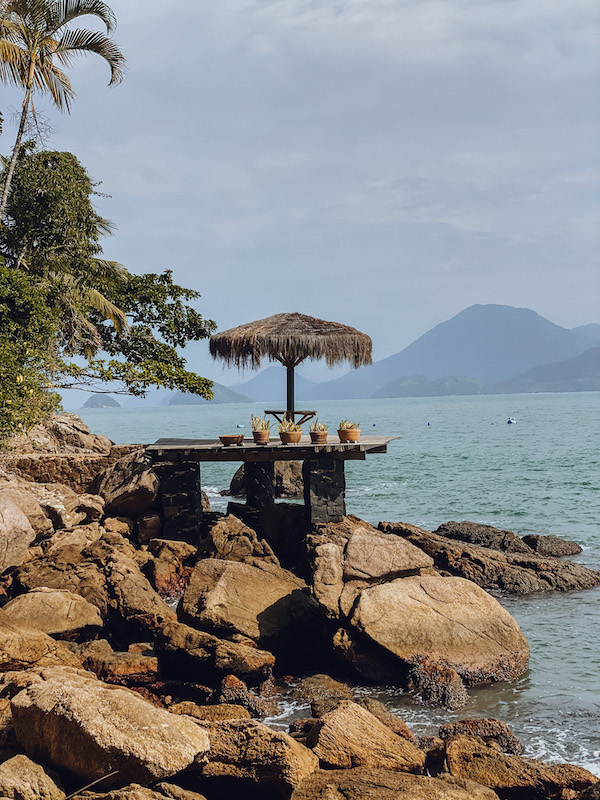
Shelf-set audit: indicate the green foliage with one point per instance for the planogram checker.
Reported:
(110, 326)
(26, 358)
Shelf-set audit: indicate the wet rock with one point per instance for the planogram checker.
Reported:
(363, 783)
(350, 736)
(484, 535)
(448, 621)
(268, 604)
(491, 569)
(228, 538)
(22, 779)
(91, 729)
(394, 723)
(551, 545)
(186, 651)
(235, 692)
(252, 753)
(322, 692)
(130, 486)
(511, 776)
(487, 729)
(436, 684)
(54, 611)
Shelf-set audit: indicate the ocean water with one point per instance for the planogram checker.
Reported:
(458, 459)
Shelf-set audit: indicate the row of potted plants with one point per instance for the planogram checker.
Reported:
(290, 432)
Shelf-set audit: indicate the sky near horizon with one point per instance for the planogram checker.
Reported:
(381, 163)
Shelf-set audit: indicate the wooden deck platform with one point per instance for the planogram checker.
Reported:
(212, 449)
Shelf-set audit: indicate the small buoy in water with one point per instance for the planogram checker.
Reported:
(429, 423)
(239, 425)
(511, 421)
(373, 424)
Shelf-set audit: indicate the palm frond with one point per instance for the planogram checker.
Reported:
(49, 78)
(62, 12)
(79, 41)
(14, 62)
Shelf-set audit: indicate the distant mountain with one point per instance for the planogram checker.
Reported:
(419, 386)
(222, 394)
(101, 401)
(270, 384)
(489, 343)
(580, 374)
(591, 331)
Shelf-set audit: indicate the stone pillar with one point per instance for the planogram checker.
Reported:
(324, 490)
(259, 479)
(180, 496)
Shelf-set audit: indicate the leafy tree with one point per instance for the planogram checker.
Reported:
(36, 42)
(27, 359)
(112, 326)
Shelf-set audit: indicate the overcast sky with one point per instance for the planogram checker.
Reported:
(382, 163)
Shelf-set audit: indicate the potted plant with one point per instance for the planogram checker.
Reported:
(289, 431)
(318, 432)
(349, 431)
(261, 429)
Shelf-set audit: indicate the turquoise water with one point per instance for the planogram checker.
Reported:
(459, 459)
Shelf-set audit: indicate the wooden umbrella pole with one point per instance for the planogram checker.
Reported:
(290, 392)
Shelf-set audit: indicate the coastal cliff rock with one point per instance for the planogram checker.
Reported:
(130, 486)
(16, 534)
(445, 620)
(22, 648)
(493, 569)
(53, 611)
(92, 729)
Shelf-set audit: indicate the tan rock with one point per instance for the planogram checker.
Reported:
(231, 540)
(52, 611)
(328, 577)
(519, 778)
(16, 534)
(446, 620)
(134, 791)
(266, 603)
(221, 711)
(91, 729)
(171, 567)
(22, 779)
(350, 736)
(149, 527)
(130, 486)
(121, 525)
(139, 665)
(394, 723)
(248, 750)
(21, 648)
(371, 554)
(18, 494)
(184, 650)
(363, 783)
(322, 692)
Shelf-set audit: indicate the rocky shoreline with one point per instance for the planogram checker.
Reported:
(105, 679)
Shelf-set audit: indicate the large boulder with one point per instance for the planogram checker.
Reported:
(16, 534)
(17, 492)
(350, 736)
(53, 611)
(22, 779)
(185, 651)
(92, 729)
(364, 783)
(266, 603)
(130, 486)
(484, 535)
(489, 730)
(22, 648)
(520, 573)
(511, 776)
(251, 752)
(446, 620)
(228, 538)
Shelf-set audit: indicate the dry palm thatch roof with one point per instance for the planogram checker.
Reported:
(290, 338)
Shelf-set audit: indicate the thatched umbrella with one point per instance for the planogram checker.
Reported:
(289, 339)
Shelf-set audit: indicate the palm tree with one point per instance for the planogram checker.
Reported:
(33, 36)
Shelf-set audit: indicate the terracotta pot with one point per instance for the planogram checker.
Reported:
(290, 437)
(261, 437)
(231, 438)
(318, 437)
(349, 434)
